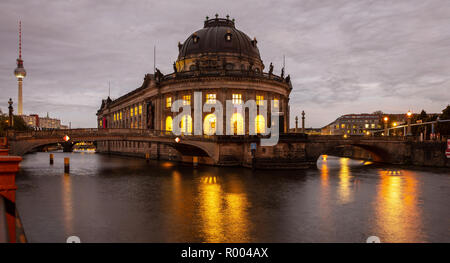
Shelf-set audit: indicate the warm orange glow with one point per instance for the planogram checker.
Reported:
(394, 124)
(260, 124)
(397, 206)
(209, 124)
(344, 189)
(409, 113)
(386, 119)
(324, 157)
(223, 209)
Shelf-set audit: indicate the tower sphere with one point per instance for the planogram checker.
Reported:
(20, 72)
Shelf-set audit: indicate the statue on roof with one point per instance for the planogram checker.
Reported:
(270, 68)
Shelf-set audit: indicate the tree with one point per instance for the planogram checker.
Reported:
(378, 112)
(444, 127)
(19, 124)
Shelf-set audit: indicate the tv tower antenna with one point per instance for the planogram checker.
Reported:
(20, 72)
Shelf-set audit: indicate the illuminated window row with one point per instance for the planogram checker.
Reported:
(209, 124)
(211, 98)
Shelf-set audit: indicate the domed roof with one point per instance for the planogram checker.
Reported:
(219, 35)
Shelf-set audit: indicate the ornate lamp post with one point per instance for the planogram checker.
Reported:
(385, 119)
(408, 116)
(296, 123)
(10, 108)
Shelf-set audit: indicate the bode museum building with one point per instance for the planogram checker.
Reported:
(221, 62)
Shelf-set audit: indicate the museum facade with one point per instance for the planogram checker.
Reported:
(222, 63)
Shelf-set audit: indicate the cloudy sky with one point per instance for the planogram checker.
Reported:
(343, 56)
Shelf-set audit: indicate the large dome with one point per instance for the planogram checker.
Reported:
(219, 35)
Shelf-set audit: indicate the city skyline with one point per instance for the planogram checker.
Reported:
(344, 57)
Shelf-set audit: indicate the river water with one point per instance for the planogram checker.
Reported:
(121, 199)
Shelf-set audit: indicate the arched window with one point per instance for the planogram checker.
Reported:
(237, 124)
(228, 35)
(195, 38)
(260, 124)
(169, 123)
(209, 124)
(186, 124)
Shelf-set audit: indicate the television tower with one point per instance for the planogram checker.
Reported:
(20, 72)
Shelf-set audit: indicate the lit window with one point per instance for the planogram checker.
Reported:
(120, 115)
(169, 123)
(131, 112)
(187, 100)
(260, 124)
(135, 110)
(237, 98)
(186, 124)
(366, 125)
(115, 117)
(372, 125)
(195, 38)
(140, 109)
(168, 102)
(228, 36)
(342, 126)
(210, 98)
(259, 100)
(100, 122)
(276, 103)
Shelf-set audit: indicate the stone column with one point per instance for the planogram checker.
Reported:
(303, 121)
(296, 123)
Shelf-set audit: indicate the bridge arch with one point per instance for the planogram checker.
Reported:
(187, 146)
(357, 151)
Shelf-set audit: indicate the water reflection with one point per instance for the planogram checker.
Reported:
(344, 191)
(67, 201)
(324, 201)
(223, 213)
(398, 216)
(118, 199)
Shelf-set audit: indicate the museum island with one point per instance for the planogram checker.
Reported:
(221, 62)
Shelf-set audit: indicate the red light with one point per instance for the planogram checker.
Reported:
(66, 138)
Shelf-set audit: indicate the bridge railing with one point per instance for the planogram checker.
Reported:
(101, 132)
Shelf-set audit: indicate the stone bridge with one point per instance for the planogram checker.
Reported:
(294, 150)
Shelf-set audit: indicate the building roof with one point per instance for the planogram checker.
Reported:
(212, 38)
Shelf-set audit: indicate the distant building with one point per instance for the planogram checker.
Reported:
(311, 131)
(43, 123)
(354, 124)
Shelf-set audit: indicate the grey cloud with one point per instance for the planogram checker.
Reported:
(343, 56)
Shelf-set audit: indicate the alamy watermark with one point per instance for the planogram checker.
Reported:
(235, 123)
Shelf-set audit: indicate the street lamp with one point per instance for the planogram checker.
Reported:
(409, 115)
(11, 117)
(386, 119)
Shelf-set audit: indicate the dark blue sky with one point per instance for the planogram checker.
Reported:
(343, 56)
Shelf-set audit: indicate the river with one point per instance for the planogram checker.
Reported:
(122, 199)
